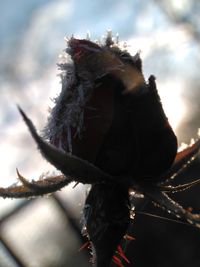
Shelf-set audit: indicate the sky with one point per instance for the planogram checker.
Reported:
(32, 37)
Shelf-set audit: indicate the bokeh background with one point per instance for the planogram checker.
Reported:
(167, 34)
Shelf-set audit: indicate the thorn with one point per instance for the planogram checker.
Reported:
(30, 185)
(129, 237)
(85, 245)
(23, 180)
(117, 261)
(75, 185)
(121, 253)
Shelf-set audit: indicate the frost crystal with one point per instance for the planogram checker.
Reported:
(66, 118)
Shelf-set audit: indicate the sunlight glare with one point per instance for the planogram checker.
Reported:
(173, 102)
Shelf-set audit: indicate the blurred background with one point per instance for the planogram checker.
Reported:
(45, 232)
